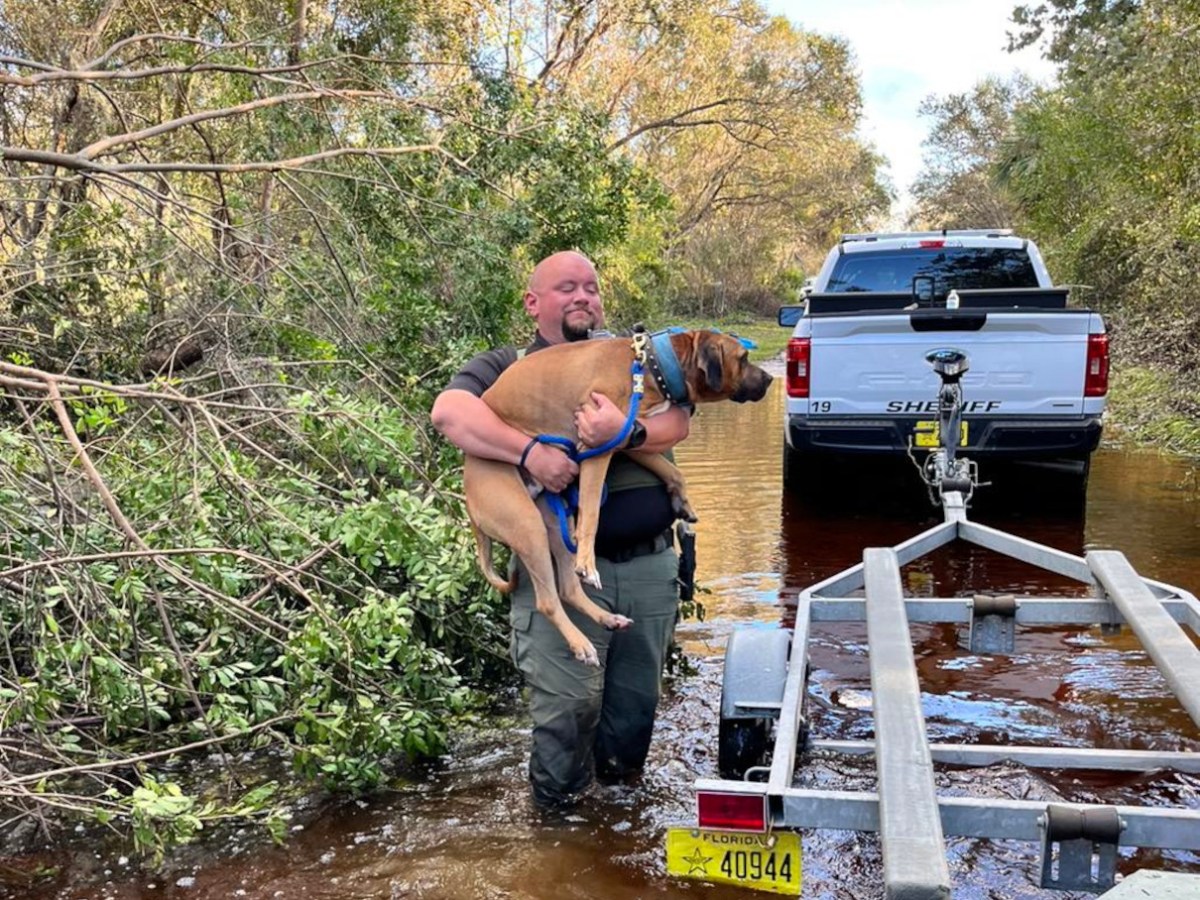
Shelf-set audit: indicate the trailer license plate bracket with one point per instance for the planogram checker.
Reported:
(764, 862)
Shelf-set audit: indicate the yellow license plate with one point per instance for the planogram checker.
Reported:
(759, 861)
(927, 434)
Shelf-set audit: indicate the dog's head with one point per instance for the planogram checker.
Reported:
(717, 367)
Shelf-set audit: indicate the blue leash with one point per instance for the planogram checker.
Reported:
(567, 502)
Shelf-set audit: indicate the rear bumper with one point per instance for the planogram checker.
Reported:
(995, 438)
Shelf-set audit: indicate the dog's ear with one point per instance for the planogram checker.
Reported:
(710, 358)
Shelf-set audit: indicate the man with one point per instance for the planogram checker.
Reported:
(585, 719)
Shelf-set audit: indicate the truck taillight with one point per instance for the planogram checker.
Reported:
(1095, 381)
(731, 812)
(799, 351)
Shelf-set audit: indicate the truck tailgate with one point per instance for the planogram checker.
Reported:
(1022, 362)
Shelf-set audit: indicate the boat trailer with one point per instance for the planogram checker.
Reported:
(765, 683)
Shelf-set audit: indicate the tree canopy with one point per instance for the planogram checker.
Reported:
(162, 160)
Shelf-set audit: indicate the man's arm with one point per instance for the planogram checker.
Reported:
(469, 423)
(601, 420)
(665, 430)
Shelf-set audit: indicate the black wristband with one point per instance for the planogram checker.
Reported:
(637, 435)
(525, 452)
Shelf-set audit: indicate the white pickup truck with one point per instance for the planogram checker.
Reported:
(857, 380)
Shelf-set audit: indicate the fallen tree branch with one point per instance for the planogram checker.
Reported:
(140, 757)
(114, 510)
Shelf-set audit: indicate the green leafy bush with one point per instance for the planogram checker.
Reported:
(306, 580)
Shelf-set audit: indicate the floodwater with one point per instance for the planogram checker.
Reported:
(466, 828)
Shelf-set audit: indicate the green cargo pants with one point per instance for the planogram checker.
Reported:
(589, 720)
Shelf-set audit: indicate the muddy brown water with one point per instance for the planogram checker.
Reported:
(467, 829)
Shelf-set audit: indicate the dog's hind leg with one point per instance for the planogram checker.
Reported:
(500, 506)
(569, 587)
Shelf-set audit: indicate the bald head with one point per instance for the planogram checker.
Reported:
(550, 267)
(563, 297)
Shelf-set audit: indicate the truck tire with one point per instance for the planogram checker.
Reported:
(806, 476)
(796, 470)
(1085, 470)
(1075, 483)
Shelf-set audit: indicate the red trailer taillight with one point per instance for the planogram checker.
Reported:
(799, 352)
(1095, 380)
(731, 812)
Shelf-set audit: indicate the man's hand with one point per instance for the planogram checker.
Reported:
(551, 468)
(599, 421)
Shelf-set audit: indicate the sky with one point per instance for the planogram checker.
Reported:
(908, 49)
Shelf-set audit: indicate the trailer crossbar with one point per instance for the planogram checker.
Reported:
(969, 755)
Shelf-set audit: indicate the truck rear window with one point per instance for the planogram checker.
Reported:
(952, 268)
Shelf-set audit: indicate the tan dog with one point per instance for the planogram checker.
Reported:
(539, 395)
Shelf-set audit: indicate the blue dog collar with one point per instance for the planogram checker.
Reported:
(667, 371)
(664, 364)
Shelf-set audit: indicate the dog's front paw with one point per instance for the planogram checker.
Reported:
(683, 509)
(586, 653)
(589, 575)
(615, 622)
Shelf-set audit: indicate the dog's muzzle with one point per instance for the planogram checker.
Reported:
(753, 387)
